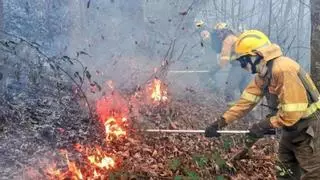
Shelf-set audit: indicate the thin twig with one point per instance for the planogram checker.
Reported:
(50, 60)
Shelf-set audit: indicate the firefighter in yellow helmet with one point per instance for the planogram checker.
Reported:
(223, 40)
(291, 92)
(208, 60)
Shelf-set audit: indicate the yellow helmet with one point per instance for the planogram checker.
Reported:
(220, 26)
(199, 23)
(249, 41)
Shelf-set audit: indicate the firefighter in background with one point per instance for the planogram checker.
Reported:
(287, 88)
(222, 40)
(208, 60)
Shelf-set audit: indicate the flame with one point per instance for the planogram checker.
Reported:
(112, 111)
(95, 174)
(54, 172)
(96, 164)
(113, 128)
(76, 173)
(78, 147)
(158, 91)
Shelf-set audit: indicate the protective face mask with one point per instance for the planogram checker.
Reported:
(255, 61)
(248, 68)
(262, 69)
(250, 63)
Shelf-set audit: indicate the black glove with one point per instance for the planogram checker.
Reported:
(211, 131)
(259, 129)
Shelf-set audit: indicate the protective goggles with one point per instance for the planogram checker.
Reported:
(244, 61)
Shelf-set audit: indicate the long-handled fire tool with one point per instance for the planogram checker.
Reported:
(269, 132)
(188, 71)
(195, 131)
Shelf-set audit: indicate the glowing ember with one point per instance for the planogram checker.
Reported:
(158, 91)
(102, 162)
(96, 164)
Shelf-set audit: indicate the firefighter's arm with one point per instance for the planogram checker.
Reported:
(248, 100)
(292, 98)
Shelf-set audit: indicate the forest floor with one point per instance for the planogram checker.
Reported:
(34, 131)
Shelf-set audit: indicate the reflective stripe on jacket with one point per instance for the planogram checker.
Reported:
(285, 84)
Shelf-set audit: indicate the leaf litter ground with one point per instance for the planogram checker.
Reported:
(34, 130)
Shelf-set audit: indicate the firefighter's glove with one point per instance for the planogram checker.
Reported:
(211, 131)
(258, 130)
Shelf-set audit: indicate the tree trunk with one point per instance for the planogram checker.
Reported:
(1, 15)
(224, 9)
(232, 13)
(300, 31)
(285, 23)
(253, 9)
(315, 41)
(287, 12)
(239, 14)
(270, 17)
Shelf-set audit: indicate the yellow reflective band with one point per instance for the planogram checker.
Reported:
(311, 109)
(294, 107)
(250, 97)
(225, 57)
(233, 57)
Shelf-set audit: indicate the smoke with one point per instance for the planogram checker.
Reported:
(127, 40)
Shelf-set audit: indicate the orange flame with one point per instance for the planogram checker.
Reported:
(158, 91)
(97, 165)
(113, 129)
(54, 172)
(112, 111)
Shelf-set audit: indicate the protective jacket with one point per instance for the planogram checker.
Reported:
(227, 54)
(286, 87)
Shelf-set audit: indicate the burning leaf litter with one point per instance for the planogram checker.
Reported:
(112, 111)
(113, 149)
(158, 91)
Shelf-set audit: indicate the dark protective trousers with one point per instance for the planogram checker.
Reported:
(299, 150)
(238, 79)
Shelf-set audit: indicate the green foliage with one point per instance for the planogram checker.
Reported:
(219, 160)
(220, 178)
(192, 175)
(227, 144)
(174, 164)
(201, 160)
(178, 178)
